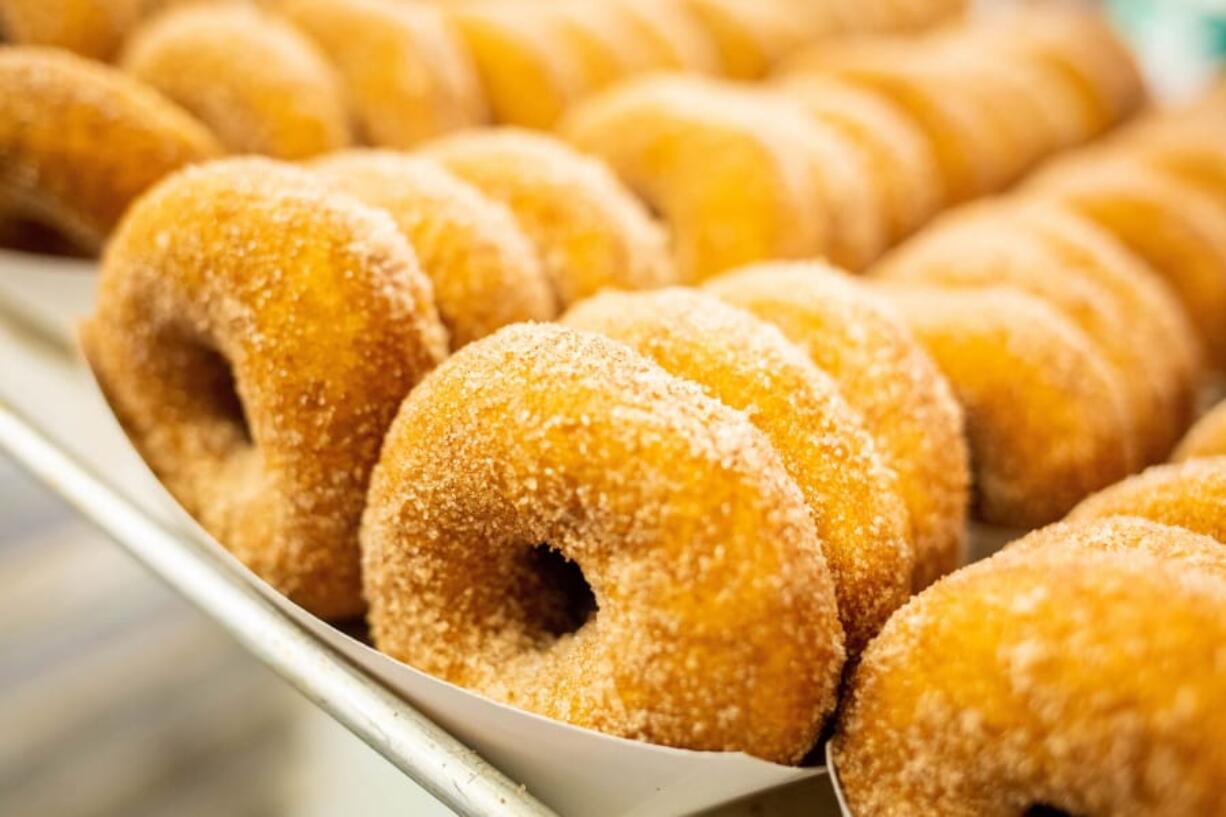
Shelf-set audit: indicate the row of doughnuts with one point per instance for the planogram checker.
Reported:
(1095, 646)
(859, 142)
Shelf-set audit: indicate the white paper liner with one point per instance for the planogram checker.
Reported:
(576, 771)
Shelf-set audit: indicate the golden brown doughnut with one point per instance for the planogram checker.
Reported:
(1179, 231)
(1190, 495)
(1078, 675)
(406, 72)
(91, 28)
(590, 232)
(885, 375)
(749, 37)
(1010, 244)
(1046, 415)
(708, 618)
(526, 79)
(255, 333)
(748, 364)
(599, 40)
(734, 187)
(257, 83)
(485, 271)
(1207, 438)
(900, 160)
(79, 141)
(673, 39)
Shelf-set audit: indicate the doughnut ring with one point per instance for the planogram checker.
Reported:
(1190, 495)
(206, 340)
(990, 245)
(90, 28)
(1207, 438)
(748, 364)
(900, 161)
(590, 232)
(404, 67)
(1179, 231)
(708, 619)
(1079, 671)
(885, 375)
(484, 270)
(673, 39)
(79, 141)
(601, 42)
(748, 37)
(201, 56)
(658, 135)
(1046, 416)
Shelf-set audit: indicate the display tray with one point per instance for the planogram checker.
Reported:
(475, 756)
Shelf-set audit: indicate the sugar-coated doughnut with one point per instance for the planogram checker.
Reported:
(526, 79)
(884, 374)
(748, 364)
(1046, 416)
(900, 162)
(255, 333)
(485, 271)
(1207, 438)
(749, 37)
(708, 620)
(1003, 244)
(91, 28)
(79, 141)
(591, 233)
(1178, 230)
(673, 39)
(1080, 672)
(1190, 495)
(406, 72)
(599, 40)
(733, 186)
(256, 82)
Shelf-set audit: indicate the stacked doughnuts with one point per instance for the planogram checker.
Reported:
(858, 143)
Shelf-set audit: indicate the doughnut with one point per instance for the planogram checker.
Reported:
(672, 38)
(1178, 231)
(900, 161)
(255, 333)
(526, 79)
(1005, 244)
(1207, 438)
(969, 152)
(406, 73)
(79, 141)
(485, 271)
(746, 363)
(1183, 146)
(600, 40)
(885, 375)
(590, 232)
(1190, 495)
(1079, 672)
(202, 56)
(1046, 416)
(91, 28)
(557, 523)
(661, 134)
(748, 37)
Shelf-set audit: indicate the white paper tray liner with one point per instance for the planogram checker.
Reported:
(576, 771)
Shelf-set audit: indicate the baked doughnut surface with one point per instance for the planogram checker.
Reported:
(79, 141)
(711, 620)
(485, 271)
(1207, 438)
(746, 363)
(884, 373)
(1081, 674)
(590, 232)
(257, 83)
(255, 333)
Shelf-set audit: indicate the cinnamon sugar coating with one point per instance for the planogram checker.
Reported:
(485, 271)
(1081, 669)
(712, 622)
(590, 232)
(746, 363)
(79, 141)
(255, 333)
(885, 375)
(248, 75)
(1190, 495)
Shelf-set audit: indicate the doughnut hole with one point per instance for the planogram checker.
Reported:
(555, 585)
(1044, 810)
